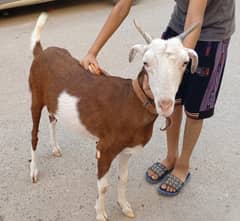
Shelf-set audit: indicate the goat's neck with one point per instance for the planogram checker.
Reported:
(143, 91)
(144, 84)
(142, 79)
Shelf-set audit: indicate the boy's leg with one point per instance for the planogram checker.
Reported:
(173, 133)
(191, 134)
(172, 141)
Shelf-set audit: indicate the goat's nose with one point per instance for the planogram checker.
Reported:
(165, 104)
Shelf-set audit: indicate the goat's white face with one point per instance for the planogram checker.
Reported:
(165, 62)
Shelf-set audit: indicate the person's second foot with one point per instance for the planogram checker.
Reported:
(181, 173)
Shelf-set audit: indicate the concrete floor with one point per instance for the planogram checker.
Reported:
(66, 190)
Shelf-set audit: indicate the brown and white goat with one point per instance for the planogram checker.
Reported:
(108, 109)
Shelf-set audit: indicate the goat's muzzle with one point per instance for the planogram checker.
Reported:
(165, 104)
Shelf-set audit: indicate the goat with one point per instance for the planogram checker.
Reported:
(118, 113)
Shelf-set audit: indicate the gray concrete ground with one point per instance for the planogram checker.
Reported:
(66, 190)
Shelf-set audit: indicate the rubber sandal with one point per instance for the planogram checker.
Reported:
(174, 182)
(160, 170)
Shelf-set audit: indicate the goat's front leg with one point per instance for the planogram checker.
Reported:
(122, 185)
(104, 163)
(53, 141)
(100, 202)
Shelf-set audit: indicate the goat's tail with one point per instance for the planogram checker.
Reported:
(35, 39)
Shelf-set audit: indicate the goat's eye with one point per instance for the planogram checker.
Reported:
(168, 54)
(145, 64)
(185, 63)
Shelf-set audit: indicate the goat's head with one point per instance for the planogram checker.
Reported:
(165, 62)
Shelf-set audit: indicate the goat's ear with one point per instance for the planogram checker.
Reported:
(194, 57)
(136, 49)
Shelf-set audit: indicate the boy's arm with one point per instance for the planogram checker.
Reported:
(117, 15)
(195, 14)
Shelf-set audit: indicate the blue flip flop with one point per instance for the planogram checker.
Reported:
(160, 170)
(174, 182)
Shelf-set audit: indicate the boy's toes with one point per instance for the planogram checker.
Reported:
(152, 175)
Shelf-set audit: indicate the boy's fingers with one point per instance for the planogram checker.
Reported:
(94, 69)
(91, 69)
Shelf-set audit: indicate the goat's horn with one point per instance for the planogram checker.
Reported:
(148, 38)
(188, 31)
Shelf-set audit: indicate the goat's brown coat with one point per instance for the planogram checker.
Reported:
(109, 107)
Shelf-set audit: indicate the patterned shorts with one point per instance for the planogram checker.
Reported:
(198, 92)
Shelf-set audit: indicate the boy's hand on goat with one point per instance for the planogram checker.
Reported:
(94, 69)
(89, 62)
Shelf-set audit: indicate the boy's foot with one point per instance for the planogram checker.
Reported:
(156, 173)
(173, 184)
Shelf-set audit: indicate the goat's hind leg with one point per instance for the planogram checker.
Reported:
(122, 185)
(36, 115)
(56, 150)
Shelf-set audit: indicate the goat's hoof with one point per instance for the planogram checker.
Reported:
(57, 152)
(34, 179)
(106, 216)
(127, 210)
(102, 218)
(33, 172)
(34, 176)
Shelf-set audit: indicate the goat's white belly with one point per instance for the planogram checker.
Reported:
(67, 113)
